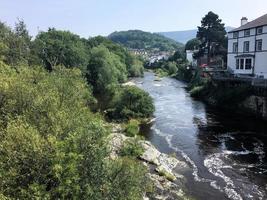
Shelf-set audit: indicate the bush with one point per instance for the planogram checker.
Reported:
(132, 148)
(134, 103)
(171, 68)
(161, 72)
(132, 128)
(52, 146)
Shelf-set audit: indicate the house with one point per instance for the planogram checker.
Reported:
(190, 57)
(247, 48)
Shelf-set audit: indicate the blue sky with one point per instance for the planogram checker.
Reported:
(101, 17)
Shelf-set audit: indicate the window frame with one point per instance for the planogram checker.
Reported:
(259, 41)
(248, 67)
(235, 34)
(245, 45)
(241, 65)
(235, 47)
(237, 64)
(257, 30)
(245, 31)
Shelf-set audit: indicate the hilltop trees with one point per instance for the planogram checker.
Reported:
(212, 36)
(61, 48)
(14, 45)
(136, 39)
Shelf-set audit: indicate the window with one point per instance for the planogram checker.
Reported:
(235, 35)
(235, 47)
(242, 63)
(246, 46)
(248, 63)
(258, 45)
(259, 30)
(247, 33)
(237, 64)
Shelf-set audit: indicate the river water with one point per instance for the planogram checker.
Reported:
(226, 152)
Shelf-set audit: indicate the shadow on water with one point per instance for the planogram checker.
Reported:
(226, 152)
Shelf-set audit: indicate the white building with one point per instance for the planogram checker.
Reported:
(247, 48)
(190, 57)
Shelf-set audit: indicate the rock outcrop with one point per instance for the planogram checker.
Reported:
(163, 169)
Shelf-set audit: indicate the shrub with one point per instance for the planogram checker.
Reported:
(52, 146)
(134, 103)
(161, 72)
(171, 68)
(132, 148)
(132, 128)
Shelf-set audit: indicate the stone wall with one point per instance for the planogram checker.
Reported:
(256, 105)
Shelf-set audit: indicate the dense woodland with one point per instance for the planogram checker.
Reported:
(53, 139)
(136, 39)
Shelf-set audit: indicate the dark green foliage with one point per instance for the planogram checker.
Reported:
(136, 39)
(56, 47)
(14, 45)
(192, 44)
(212, 36)
(133, 103)
(105, 69)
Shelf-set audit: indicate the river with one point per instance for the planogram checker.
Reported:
(226, 152)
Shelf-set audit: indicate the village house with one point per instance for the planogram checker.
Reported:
(247, 48)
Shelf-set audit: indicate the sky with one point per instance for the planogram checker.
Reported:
(102, 17)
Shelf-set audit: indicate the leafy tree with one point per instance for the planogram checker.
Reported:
(14, 45)
(192, 44)
(56, 47)
(52, 146)
(212, 36)
(105, 69)
(133, 103)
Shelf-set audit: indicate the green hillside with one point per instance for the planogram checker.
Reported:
(136, 39)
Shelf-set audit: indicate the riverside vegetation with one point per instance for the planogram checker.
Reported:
(210, 34)
(53, 133)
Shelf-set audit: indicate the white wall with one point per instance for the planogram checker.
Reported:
(260, 67)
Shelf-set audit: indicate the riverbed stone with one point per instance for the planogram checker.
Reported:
(162, 167)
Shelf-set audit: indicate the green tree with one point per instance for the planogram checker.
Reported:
(56, 47)
(212, 36)
(14, 45)
(133, 103)
(52, 146)
(105, 69)
(192, 44)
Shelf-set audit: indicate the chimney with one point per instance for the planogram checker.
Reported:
(244, 20)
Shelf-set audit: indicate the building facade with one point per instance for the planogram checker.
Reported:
(247, 48)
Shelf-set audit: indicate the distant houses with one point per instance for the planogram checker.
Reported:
(247, 48)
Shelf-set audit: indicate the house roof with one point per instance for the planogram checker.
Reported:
(261, 21)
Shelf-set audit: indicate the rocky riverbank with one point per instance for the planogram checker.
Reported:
(163, 169)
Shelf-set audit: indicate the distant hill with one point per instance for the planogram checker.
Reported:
(184, 36)
(136, 39)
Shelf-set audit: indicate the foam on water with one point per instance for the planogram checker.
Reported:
(215, 165)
